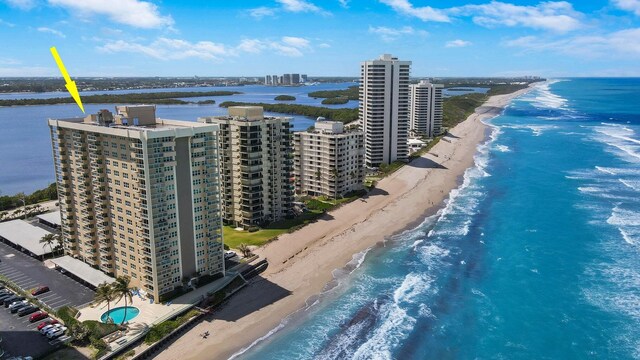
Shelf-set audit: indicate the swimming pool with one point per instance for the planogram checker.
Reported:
(118, 314)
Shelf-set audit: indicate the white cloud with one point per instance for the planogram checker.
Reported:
(51, 31)
(6, 23)
(623, 44)
(629, 5)
(425, 13)
(177, 49)
(457, 43)
(8, 61)
(22, 4)
(261, 12)
(344, 3)
(324, 46)
(28, 71)
(136, 13)
(390, 34)
(296, 42)
(558, 16)
(299, 6)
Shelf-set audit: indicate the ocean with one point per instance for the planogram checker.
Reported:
(535, 256)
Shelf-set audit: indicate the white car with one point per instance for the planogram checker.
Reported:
(229, 255)
(48, 328)
(18, 303)
(57, 332)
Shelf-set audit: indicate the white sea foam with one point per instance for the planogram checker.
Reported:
(395, 327)
(537, 130)
(631, 184)
(502, 148)
(543, 98)
(624, 217)
(413, 286)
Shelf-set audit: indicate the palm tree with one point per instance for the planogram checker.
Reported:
(104, 293)
(122, 288)
(244, 249)
(49, 239)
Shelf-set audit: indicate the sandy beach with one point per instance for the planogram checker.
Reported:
(301, 263)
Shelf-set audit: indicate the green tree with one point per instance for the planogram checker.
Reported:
(122, 288)
(104, 293)
(244, 249)
(49, 239)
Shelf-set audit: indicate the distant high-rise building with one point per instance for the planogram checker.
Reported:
(426, 108)
(274, 80)
(286, 79)
(295, 79)
(268, 80)
(328, 160)
(303, 78)
(139, 196)
(256, 156)
(281, 80)
(384, 109)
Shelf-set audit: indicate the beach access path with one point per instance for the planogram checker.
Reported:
(301, 264)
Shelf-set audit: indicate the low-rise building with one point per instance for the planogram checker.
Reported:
(329, 161)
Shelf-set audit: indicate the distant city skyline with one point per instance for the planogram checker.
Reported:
(320, 38)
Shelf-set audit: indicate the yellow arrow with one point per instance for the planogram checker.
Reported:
(70, 85)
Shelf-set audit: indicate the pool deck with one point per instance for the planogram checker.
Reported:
(151, 314)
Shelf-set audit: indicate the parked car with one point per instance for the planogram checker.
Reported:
(56, 333)
(19, 306)
(40, 290)
(229, 255)
(28, 310)
(45, 329)
(38, 316)
(12, 299)
(47, 322)
(5, 294)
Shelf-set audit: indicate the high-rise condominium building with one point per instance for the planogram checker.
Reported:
(139, 196)
(303, 78)
(328, 160)
(426, 108)
(384, 109)
(286, 79)
(256, 156)
(268, 80)
(295, 79)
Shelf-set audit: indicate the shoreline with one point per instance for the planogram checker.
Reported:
(302, 264)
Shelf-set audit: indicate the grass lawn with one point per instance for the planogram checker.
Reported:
(233, 238)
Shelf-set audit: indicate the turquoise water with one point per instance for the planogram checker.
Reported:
(535, 256)
(118, 314)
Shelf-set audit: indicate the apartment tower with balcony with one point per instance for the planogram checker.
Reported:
(426, 109)
(384, 109)
(328, 160)
(256, 157)
(139, 196)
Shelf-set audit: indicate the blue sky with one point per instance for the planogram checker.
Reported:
(328, 37)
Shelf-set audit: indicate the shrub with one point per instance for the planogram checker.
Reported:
(253, 228)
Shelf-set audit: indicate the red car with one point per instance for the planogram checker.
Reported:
(40, 290)
(45, 323)
(38, 315)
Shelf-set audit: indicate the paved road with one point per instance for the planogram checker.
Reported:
(29, 273)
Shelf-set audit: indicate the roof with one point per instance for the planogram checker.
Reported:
(51, 218)
(82, 270)
(21, 233)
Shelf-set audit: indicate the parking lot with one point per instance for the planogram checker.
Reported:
(21, 337)
(29, 273)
